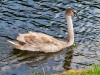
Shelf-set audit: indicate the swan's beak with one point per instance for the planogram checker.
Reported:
(75, 14)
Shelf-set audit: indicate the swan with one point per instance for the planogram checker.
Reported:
(34, 41)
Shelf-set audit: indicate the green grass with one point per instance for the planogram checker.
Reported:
(95, 70)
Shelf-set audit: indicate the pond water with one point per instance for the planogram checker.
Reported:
(48, 16)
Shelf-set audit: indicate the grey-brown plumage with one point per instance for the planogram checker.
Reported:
(33, 41)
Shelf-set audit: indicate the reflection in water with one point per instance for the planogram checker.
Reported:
(67, 61)
(38, 59)
(31, 57)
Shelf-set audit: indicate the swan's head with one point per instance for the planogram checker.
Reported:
(71, 12)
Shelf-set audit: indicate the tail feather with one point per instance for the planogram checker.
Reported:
(15, 44)
(12, 42)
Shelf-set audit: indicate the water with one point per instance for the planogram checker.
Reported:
(46, 16)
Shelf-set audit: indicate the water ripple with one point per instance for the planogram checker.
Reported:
(48, 17)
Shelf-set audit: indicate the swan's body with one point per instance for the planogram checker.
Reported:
(34, 41)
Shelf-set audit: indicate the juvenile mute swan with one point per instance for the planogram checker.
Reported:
(33, 41)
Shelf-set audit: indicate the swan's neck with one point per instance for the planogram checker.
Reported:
(70, 40)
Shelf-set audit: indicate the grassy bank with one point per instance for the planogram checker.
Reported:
(95, 70)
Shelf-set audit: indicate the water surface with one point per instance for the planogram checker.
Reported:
(48, 17)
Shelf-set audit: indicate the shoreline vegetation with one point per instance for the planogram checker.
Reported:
(95, 70)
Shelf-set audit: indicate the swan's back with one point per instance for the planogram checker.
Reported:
(34, 41)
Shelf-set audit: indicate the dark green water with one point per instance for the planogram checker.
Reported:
(48, 16)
